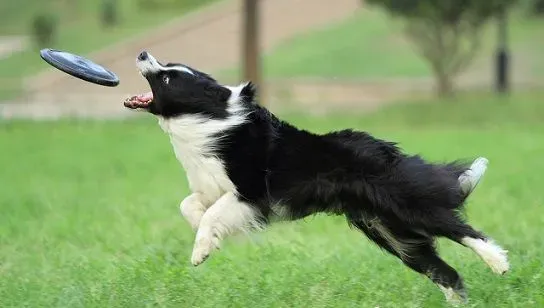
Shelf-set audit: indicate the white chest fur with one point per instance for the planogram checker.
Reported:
(193, 138)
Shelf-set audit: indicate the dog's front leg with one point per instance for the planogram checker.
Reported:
(226, 216)
(192, 208)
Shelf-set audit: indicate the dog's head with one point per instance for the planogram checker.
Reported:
(177, 89)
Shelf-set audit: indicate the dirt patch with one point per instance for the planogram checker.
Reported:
(12, 44)
(209, 39)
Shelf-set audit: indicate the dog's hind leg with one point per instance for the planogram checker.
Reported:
(417, 252)
(452, 227)
(492, 254)
(425, 260)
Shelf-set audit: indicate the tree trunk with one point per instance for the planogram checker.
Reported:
(444, 85)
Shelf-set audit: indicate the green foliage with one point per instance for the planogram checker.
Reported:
(44, 29)
(447, 11)
(446, 32)
(538, 7)
(110, 13)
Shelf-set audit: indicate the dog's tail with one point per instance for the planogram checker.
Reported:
(469, 179)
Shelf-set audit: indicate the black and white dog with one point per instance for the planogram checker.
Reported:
(246, 167)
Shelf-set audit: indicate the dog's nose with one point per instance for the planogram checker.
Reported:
(143, 56)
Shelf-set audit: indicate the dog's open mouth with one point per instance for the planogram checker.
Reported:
(139, 101)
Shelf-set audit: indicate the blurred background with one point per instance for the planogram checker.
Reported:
(89, 192)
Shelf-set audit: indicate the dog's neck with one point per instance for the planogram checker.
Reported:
(195, 138)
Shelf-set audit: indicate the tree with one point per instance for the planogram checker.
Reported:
(109, 13)
(446, 32)
(538, 7)
(44, 29)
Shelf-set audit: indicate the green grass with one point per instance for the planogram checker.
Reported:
(90, 219)
(371, 44)
(366, 45)
(79, 31)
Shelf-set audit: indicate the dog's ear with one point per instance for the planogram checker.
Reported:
(218, 92)
(248, 92)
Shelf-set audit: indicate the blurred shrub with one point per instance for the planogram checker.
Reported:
(538, 7)
(44, 29)
(109, 13)
(447, 33)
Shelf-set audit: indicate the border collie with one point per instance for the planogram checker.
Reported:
(246, 168)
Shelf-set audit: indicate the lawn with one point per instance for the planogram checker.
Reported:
(371, 44)
(90, 218)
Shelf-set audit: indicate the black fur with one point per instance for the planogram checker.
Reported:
(191, 95)
(353, 174)
(381, 191)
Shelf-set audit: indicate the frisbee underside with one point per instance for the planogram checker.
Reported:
(79, 67)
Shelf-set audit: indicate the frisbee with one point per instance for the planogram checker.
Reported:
(79, 67)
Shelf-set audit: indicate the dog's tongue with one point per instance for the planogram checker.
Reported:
(146, 97)
(139, 101)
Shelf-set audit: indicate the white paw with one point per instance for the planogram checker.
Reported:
(495, 257)
(203, 248)
(454, 298)
(498, 262)
(492, 254)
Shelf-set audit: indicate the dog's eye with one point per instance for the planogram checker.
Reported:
(165, 79)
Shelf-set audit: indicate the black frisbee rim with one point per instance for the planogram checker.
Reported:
(111, 80)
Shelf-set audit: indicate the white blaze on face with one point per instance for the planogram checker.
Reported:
(151, 65)
(179, 68)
